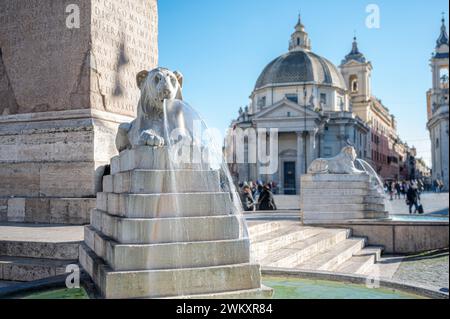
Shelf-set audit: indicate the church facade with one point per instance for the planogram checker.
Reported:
(317, 109)
(437, 109)
(304, 97)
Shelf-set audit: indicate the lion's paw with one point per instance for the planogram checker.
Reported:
(149, 138)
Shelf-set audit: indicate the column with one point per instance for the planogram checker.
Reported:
(300, 162)
(312, 147)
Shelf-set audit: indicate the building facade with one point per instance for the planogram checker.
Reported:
(385, 145)
(437, 108)
(304, 97)
(317, 109)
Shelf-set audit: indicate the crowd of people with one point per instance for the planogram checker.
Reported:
(410, 191)
(258, 196)
(438, 186)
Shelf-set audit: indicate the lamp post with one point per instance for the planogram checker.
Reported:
(305, 132)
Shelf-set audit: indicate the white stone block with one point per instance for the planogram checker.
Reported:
(169, 205)
(167, 230)
(165, 181)
(16, 209)
(108, 186)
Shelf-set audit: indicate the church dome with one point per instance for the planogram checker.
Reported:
(299, 67)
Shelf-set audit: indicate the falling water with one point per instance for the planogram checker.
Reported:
(191, 147)
(375, 180)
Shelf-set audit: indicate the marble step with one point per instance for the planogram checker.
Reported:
(167, 256)
(263, 245)
(339, 200)
(30, 269)
(261, 228)
(170, 282)
(258, 293)
(327, 217)
(168, 230)
(296, 253)
(148, 158)
(334, 256)
(166, 205)
(162, 181)
(361, 262)
(348, 207)
(341, 178)
(39, 249)
(334, 192)
(307, 185)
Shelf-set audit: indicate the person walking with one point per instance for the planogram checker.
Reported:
(248, 203)
(404, 189)
(398, 190)
(391, 190)
(412, 197)
(266, 200)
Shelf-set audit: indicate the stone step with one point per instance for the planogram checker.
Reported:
(348, 207)
(361, 262)
(45, 210)
(30, 269)
(296, 253)
(334, 256)
(326, 217)
(308, 185)
(168, 230)
(334, 192)
(261, 228)
(258, 293)
(342, 178)
(162, 181)
(264, 245)
(338, 200)
(44, 250)
(166, 205)
(167, 256)
(170, 282)
(148, 158)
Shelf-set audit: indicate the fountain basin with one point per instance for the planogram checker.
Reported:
(400, 234)
(301, 288)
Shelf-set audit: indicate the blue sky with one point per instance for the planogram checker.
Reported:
(221, 47)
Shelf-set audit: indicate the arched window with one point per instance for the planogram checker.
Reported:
(354, 85)
(298, 41)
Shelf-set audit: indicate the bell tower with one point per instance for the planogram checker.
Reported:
(437, 108)
(357, 73)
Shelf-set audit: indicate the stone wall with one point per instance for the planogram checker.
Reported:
(400, 237)
(63, 93)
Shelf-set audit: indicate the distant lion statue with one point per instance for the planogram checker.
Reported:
(344, 163)
(147, 129)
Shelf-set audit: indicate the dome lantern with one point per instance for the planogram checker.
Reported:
(299, 39)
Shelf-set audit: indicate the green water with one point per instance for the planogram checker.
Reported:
(60, 294)
(285, 288)
(298, 288)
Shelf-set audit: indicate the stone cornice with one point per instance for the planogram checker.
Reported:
(65, 115)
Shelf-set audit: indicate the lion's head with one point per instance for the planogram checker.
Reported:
(350, 152)
(158, 85)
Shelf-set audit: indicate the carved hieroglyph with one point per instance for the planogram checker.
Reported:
(344, 163)
(47, 66)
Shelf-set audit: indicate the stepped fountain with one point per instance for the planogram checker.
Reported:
(168, 223)
(335, 190)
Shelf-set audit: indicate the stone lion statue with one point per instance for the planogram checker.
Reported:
(148, 128)
(344, 163)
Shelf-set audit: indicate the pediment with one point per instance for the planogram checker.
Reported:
(352, 63)
(285, 109)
